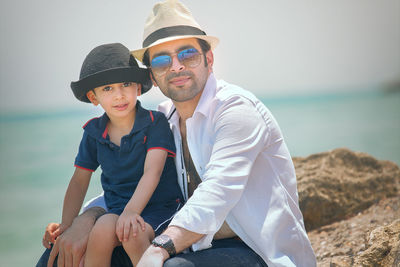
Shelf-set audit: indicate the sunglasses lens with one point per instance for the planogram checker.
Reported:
(189, 57)
(161, 63)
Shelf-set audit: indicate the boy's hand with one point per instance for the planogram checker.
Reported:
(53, 230)
(129, 221)
(50, 234)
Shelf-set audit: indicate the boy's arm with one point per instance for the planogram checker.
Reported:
(153, 167)
(74, 196)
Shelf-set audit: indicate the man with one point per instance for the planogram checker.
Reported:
(236, 172)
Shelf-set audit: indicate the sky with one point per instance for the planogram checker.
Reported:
(268, 47)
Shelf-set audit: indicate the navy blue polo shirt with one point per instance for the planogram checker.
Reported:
(122, 166)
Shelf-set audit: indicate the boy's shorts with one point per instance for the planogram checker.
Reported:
(158, 215)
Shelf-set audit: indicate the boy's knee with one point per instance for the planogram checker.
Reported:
(130, 244)
(104, 228)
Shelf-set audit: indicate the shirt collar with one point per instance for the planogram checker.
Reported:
(207, 96)
(203, 105)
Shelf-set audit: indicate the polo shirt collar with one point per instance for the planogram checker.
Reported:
(143, 118)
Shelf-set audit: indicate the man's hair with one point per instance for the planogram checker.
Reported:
(204, 45)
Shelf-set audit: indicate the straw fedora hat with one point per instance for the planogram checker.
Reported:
(170, 20)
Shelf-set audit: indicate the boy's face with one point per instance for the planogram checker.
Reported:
(118, 99)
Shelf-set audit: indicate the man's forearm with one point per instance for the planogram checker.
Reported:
(90, 215)
(181, 237)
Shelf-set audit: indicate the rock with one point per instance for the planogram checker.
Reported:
(341, 243)
(338, 184)
(383, 247)
(351, 207)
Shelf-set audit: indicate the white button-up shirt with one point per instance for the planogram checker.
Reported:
(248, 177)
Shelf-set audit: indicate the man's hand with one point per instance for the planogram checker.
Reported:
(129, 222)
(153, 257)
(70, 246)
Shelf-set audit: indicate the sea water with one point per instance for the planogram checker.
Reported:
(38, 150)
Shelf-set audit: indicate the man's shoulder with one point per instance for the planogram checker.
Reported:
(227, 91)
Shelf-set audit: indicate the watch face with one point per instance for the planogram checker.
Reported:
(162, 239)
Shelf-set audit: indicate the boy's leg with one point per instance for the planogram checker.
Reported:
(102, 241)
(136, 246)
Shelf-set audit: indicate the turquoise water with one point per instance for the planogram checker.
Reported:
(37, 152)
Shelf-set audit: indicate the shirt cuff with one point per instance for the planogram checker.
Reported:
(203, 243)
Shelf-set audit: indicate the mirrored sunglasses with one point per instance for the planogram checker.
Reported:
(189, 57)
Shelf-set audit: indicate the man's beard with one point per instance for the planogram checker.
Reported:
(178, 93)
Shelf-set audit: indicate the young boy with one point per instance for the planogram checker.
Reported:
(134, 148)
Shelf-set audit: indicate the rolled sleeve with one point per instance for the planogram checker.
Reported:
(87, 155)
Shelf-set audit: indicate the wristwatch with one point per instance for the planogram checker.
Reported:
(165, 242)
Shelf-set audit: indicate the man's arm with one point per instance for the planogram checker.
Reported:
(70, 246)
(237, 142)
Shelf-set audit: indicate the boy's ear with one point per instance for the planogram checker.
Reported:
(92, 97)
(139, 92)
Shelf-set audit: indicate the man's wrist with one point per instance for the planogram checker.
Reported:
(165, 242)
(161, 252)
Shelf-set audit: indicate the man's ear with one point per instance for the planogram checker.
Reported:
(210, 60)
(139, 89)
(92, 97)
(152, 79)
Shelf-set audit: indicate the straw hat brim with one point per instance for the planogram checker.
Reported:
(138, 54)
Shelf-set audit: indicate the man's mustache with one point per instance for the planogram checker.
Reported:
(183, 73)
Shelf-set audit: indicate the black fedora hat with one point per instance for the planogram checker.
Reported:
(108, 64)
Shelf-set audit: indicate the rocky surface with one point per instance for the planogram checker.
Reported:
(351, 207)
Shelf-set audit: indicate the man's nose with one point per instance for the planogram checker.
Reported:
(176, 65)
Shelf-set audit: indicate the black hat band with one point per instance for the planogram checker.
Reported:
(171, 31)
